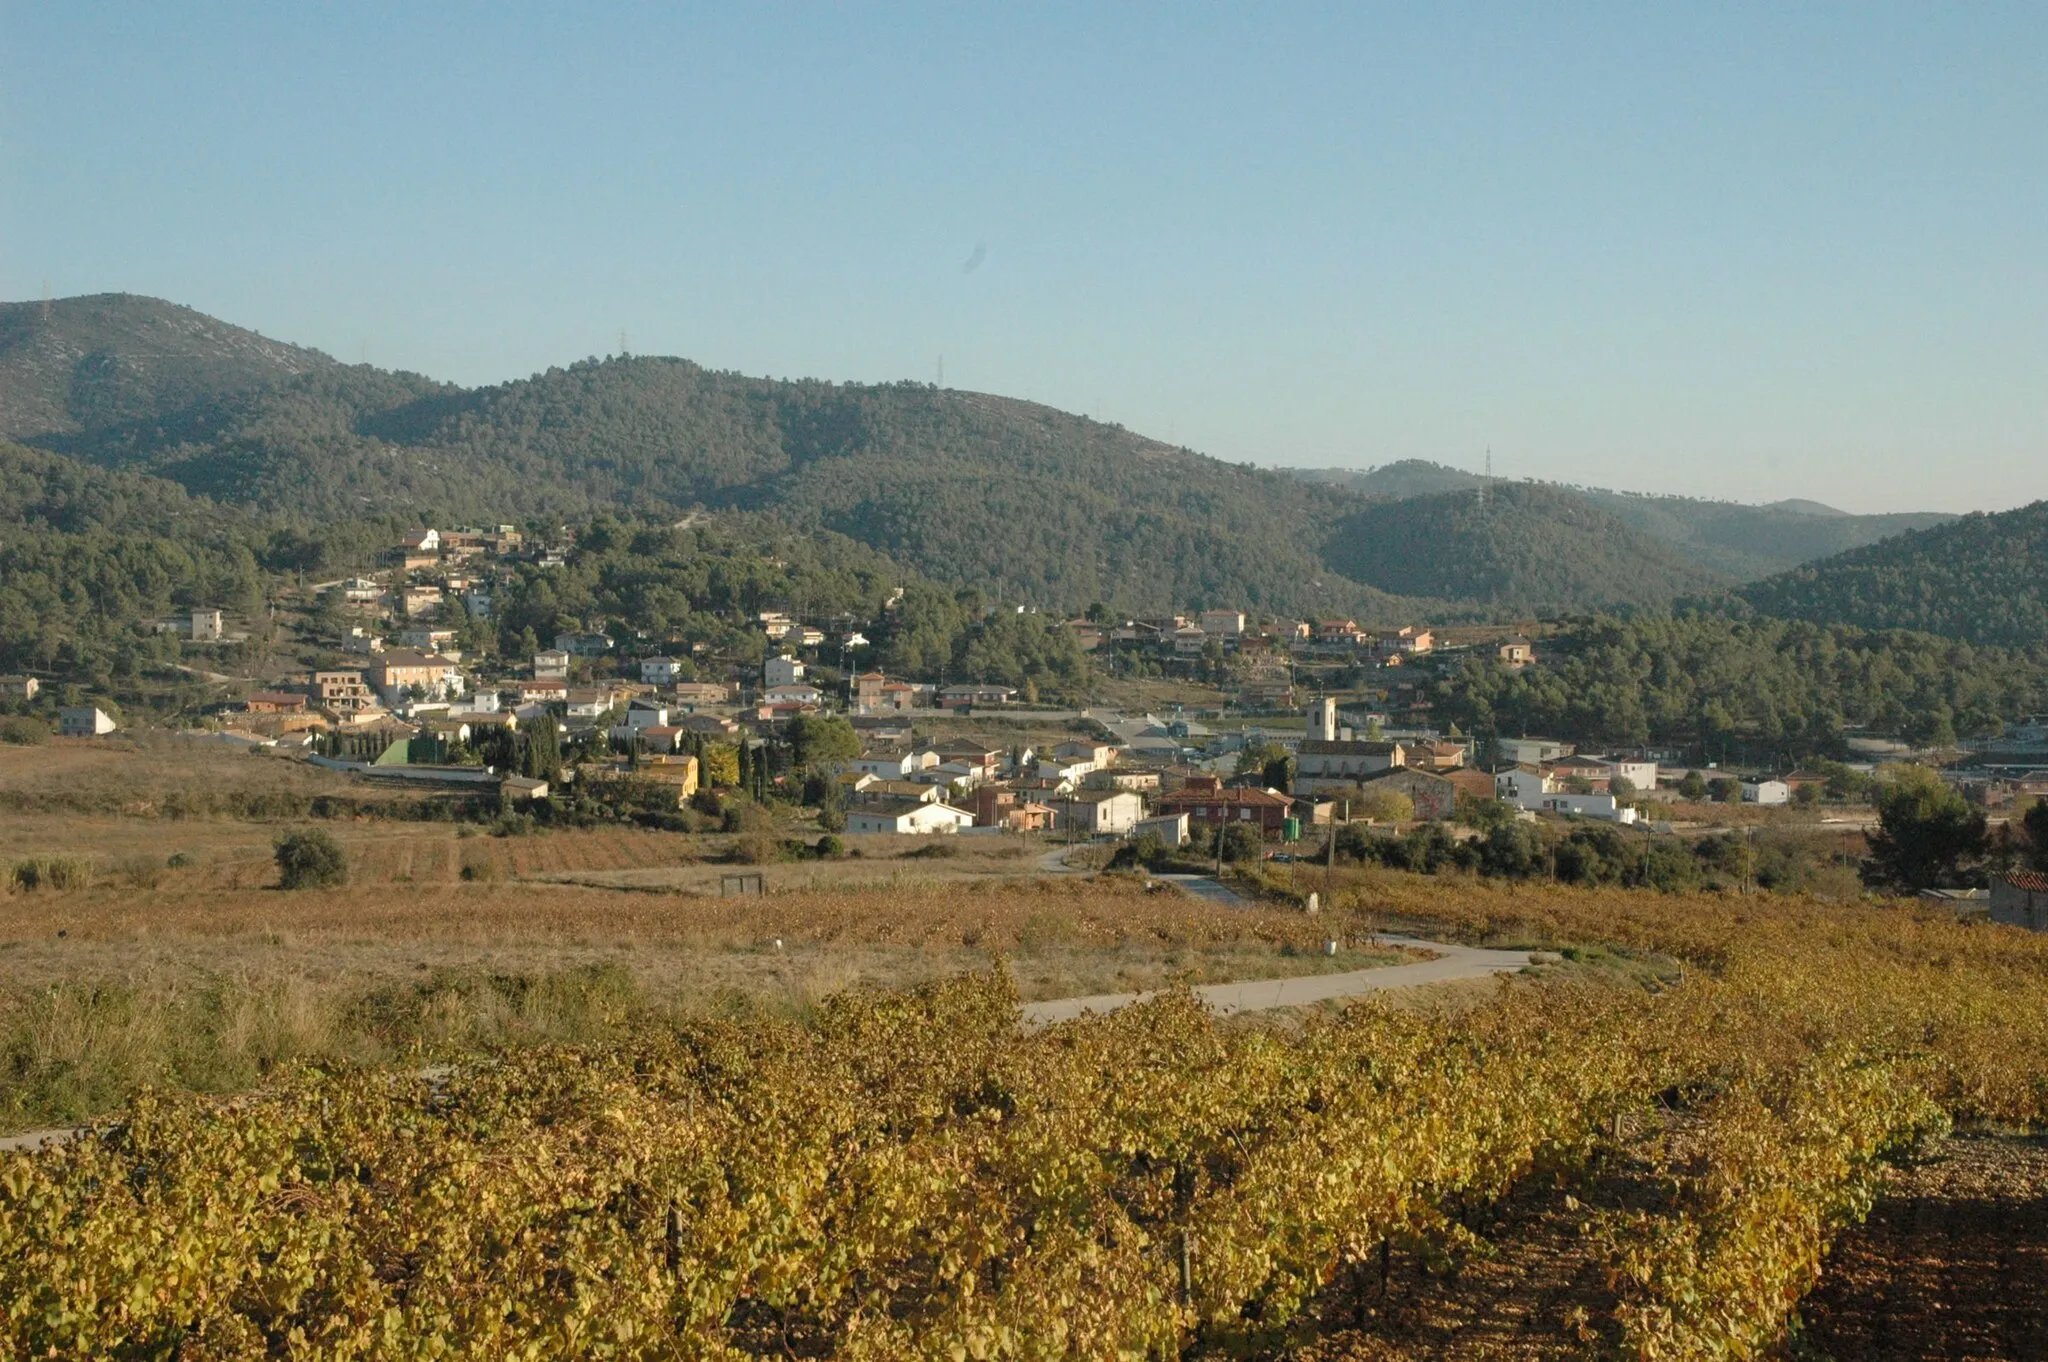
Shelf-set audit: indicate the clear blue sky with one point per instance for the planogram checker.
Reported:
(1743, 251)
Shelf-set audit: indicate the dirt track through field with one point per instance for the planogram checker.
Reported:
(1953, 1262)
(1451, 963)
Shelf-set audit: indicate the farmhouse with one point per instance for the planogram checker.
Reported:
(84, 721)
(1103, 813)
(2020, 899)
(907, 817)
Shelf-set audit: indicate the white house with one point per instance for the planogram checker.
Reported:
(907, 817)
(1641, 775)
(589, 702)
(1055, 768)
(1107, 813)
(781, 671)
(1522, 786)
(1189, 639)
(1600, 806)
(660, 671)
(84, 721)
(894, 763)
(1171, 829)
(645, 714)
(1766, 792)
(206, 626)
(551, 662)
(792, 695)
(1223, 623)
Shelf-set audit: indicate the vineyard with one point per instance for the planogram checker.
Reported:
(910, 1175)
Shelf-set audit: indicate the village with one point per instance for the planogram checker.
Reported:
(1258, 736)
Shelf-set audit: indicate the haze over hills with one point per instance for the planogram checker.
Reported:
(1735, 540)
(1026, 502)
(1982, 578)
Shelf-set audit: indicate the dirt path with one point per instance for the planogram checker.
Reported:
(1451, 962)
(1951, 1264)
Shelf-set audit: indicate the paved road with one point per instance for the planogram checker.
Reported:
(1207, 887)
(1451, 963)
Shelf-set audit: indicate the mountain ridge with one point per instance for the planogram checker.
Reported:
(1015, 498)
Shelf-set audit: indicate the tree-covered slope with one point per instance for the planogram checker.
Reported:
(1032, 503)
(80, 364)
(1982, 578)
(1749, 542)
(1735, 540)
(1526, 548)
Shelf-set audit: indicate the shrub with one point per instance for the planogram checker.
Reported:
(830, 848)
(310, 859)
(23, 731)
(140, 872)
(50, 872)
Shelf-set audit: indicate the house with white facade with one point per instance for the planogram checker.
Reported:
(1100, 813)
(781, 671)
(1766, 792)
(660, 671)
(894, 763)
(551, 662)
(908, 818)
(1224, 624)
(84, 721)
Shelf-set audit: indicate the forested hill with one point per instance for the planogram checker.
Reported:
(1735, 540)
(1982, 578)
(1026, 502)
(74, 365)
(1526, 548)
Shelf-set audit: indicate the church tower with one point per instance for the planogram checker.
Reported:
(1322, 721)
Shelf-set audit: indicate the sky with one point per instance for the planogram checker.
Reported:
(1740, 251)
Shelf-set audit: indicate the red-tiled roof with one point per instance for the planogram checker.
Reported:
(1261, 798)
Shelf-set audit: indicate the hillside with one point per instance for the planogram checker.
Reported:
(1983, 578)
(81, 364)
(1023, 501)
(1527, 549)
(1725, 537)
(1749, 542)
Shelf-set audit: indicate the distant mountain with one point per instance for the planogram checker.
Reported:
(1395, 481)
(1983, 578)
(1025, 502)
(79, 364)
(1749, 542)
(1526, 549)
(1734, 540)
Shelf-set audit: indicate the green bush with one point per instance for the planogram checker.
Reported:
(23, 731)
(830, 848)
(310, 859)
